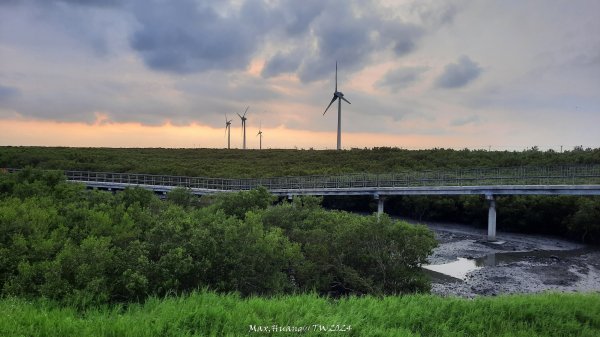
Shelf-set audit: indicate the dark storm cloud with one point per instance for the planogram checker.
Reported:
(459, 74)
(190, 36)
(187, 38)
(400, 78)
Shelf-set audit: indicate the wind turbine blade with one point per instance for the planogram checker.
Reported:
(335, 76)
(347, 101)
(330, 103)
(246, 110)
(239, 115)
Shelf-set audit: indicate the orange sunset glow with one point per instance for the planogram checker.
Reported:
(108, 134)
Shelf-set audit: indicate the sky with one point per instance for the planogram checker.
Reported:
(505, 75)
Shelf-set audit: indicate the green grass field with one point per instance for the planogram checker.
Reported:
(209, 314)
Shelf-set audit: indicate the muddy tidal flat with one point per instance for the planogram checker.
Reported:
(465, 264)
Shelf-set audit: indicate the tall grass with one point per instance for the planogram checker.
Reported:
(210, 314)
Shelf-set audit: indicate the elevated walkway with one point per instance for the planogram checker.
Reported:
(489, 182)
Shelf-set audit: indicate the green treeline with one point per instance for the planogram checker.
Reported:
(276, 163)
(209, 314)
(83, 247)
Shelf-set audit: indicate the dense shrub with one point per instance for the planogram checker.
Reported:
(86, 247)
(345, 253)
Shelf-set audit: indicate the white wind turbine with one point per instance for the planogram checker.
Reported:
(337, 95)
(228, 131)
(243, 118)
(260, 134)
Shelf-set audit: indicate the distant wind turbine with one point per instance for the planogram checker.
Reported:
(228, 131)
(243, 118)
(338, 95)
(260, 134)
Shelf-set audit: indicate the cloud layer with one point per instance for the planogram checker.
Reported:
(400, 78)
(459, 74)
(410, 67)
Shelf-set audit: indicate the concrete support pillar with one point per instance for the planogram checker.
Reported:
(380, 201)
(491, 218)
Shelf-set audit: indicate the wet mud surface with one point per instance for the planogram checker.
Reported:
(465, 264)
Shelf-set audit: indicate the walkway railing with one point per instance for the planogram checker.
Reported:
(550, 175)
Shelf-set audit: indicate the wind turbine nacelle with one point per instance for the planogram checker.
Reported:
(339, 94)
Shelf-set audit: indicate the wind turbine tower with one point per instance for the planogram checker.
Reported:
(228, 131)
(339, 96)
(243, 118)
(260, 134)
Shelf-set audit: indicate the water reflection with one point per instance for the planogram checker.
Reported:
(494, 259)
(461, 267)
(457, 269)
(486, 261)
